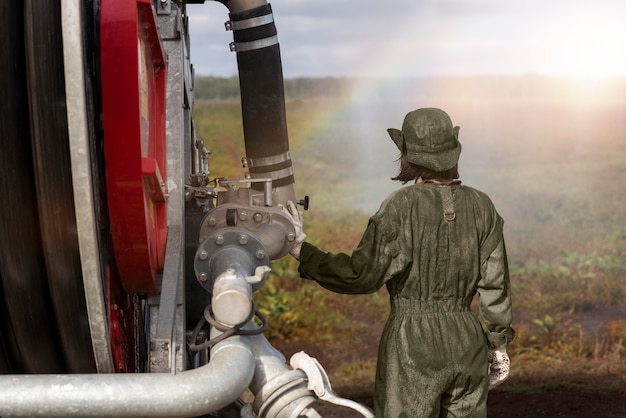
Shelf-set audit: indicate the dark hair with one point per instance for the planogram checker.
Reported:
(410, 172)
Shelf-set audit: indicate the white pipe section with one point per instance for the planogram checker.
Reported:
(187, 394)
(232, 297)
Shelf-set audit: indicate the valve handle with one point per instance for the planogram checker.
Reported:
(304, 202)
(319, 383)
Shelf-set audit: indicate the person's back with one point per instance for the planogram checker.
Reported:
(442, 230)
(432, 339)
(434, 244)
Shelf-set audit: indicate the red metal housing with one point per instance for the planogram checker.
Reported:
(133, 67)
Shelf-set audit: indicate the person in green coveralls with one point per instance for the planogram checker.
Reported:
(435, 244)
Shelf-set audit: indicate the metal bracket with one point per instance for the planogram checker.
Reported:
(164, 345)
(267, 186)
(164, 7)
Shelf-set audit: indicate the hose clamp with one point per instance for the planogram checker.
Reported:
(252, 45)
(248, 162)
(274, 175)
(249, 23)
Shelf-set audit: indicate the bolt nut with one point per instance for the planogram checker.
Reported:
(219, 240)
(291, 236)
(203, 277)
(203, 255)
(258, 217)
(212, 221)
(243, 216)
(260, 255)
(243, 239)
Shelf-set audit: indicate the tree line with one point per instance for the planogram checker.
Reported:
(528, 86)
(225, 88)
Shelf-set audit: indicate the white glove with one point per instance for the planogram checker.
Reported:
(296, 218)
(499, 365)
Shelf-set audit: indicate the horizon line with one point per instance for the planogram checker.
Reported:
(450, 76)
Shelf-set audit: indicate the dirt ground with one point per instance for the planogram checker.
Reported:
(502, 404)
(505, 401)
(569, 404)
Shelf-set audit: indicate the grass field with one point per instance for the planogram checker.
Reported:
(557, 174)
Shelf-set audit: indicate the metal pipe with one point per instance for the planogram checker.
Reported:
(190, 393)
(280, 391)
(232, 297)
(235, 361)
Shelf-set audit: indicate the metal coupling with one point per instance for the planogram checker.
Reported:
(232, 298)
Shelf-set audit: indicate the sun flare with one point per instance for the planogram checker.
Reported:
(588, 47)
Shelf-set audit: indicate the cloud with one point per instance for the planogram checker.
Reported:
(429, 37)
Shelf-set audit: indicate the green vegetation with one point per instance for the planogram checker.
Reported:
(225, 88)
(216, 88)
(534, 87)
(557, 175)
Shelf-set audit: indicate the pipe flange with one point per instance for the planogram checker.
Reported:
(228, 248)
(269, 224)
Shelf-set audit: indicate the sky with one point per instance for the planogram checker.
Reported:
(580, 38)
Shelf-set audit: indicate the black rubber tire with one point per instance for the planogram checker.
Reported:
(31, 334)
(53, 180)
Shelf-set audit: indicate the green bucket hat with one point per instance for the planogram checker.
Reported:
(428, 139)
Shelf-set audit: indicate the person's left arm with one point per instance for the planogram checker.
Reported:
(365, 271)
